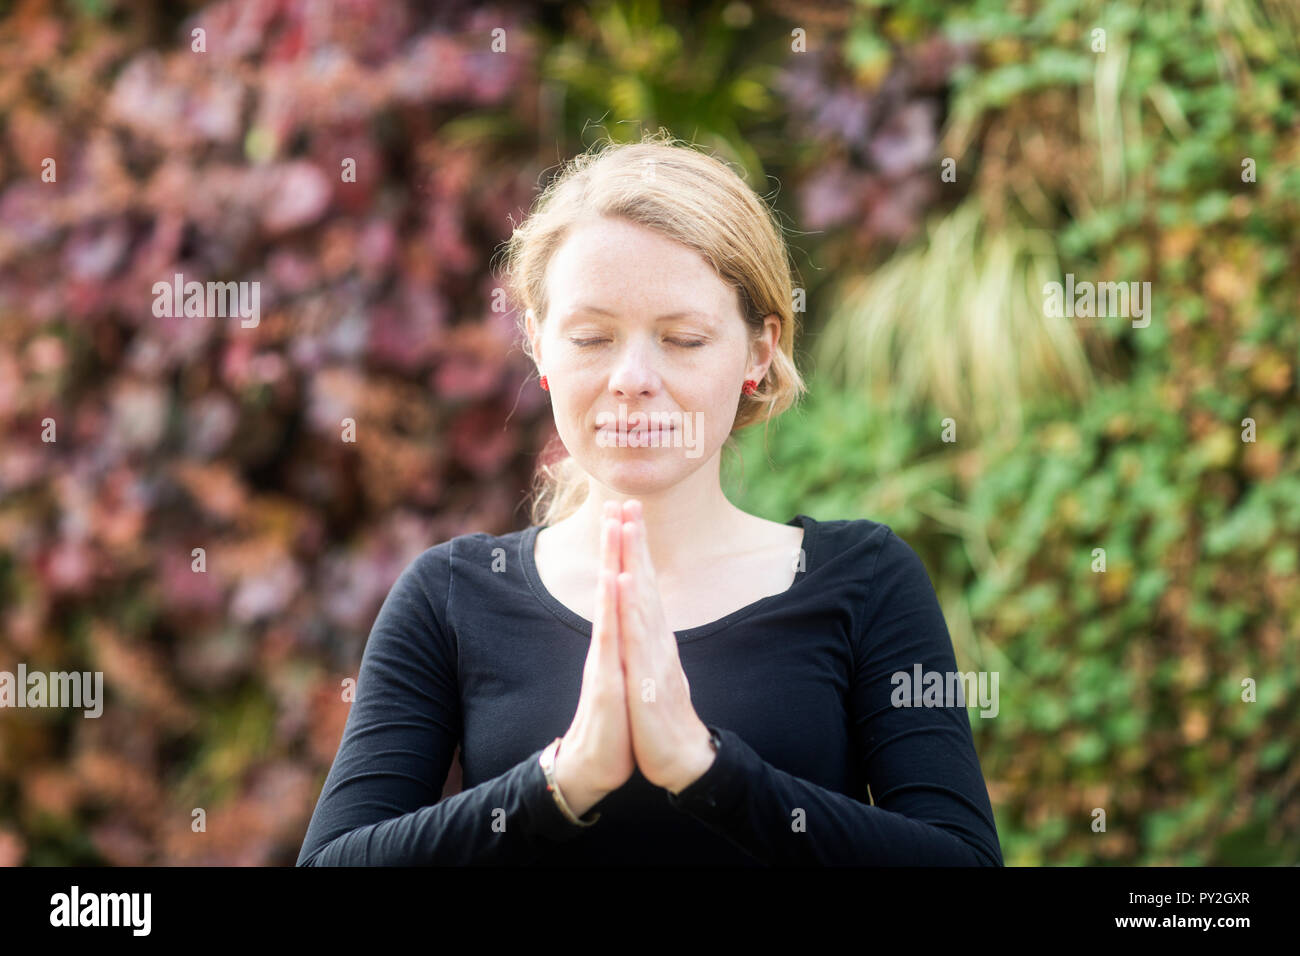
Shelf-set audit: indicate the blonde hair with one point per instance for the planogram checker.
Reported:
(685, 195)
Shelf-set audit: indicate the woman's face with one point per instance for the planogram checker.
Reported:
(645, 352)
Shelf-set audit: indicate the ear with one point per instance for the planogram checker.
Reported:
(534, 336)
(763, 347)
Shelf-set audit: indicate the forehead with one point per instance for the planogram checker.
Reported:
(622, 266)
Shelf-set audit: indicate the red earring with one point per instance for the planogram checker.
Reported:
(750, 386)
(545, 387)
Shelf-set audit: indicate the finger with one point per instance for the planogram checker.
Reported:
(627, 549)
(610, 547)
(607, 610)
(634, 512)
(624, 606)
(647, 596)
(609, 544)
(613, 608)
(611, 551)
(636, 560)
(640, 589)
(631, 626)
(600, 619)
(630, 645)
(647, 566)
(634, 548)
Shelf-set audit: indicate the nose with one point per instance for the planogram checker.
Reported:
(634, 373)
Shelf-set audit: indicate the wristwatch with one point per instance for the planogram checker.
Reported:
(547, 760)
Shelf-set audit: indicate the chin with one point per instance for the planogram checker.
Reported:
(638, 477)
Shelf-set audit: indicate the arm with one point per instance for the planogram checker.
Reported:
(932, 807)
(380, 804)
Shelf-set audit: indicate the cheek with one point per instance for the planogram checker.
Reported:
(718, 411)
(581, 371)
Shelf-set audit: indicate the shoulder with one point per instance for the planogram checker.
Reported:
(858, 540)
(432, 570)
(895, 603)
(874, 556)
(471, 546)
(426, 588)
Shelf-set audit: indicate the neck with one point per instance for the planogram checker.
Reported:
(684, 524)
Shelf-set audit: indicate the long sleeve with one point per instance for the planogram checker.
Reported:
(931, 804)
(380, 803)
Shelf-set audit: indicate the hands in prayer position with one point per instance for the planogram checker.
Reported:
(634, 710)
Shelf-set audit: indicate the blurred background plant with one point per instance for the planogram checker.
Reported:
(1120, 690)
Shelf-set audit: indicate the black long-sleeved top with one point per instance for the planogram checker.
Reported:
(470, 648)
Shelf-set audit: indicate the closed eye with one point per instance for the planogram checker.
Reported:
(683, 343)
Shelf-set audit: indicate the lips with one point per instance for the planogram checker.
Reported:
(614, 426)
(634, 431)
(639, 437)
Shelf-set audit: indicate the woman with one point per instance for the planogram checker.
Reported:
(648, 674)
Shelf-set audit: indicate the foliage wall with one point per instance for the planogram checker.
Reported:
(1121, 690)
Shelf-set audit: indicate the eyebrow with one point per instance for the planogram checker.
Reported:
(680, 314)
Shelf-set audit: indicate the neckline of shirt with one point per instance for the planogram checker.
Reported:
(527, 544)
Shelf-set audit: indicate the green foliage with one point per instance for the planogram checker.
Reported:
(958, 321)
(630, 67)
(1122, 689)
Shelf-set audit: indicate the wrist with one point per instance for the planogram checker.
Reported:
(578, 792)
(695, 765)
